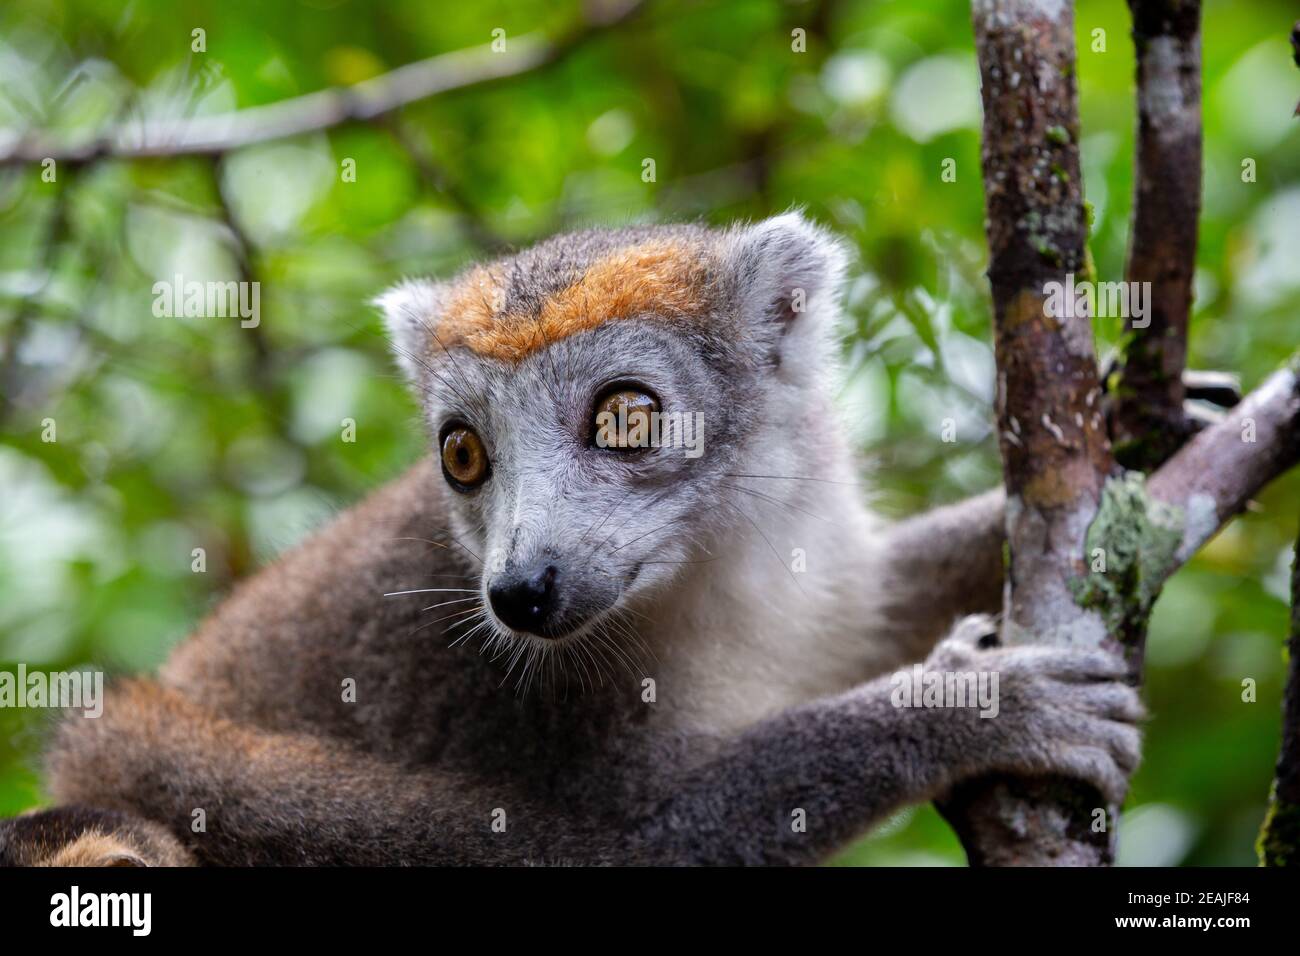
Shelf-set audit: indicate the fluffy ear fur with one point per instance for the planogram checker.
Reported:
(787, 272)
(410, 311)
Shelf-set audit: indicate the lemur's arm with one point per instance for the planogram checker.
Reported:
(845, 761)
(944, 564)
(848, 761)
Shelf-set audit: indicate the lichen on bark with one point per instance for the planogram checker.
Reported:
(1137, 539)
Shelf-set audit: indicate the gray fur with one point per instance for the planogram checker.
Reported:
(772, 693)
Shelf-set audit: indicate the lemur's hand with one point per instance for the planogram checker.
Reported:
(1060, 711)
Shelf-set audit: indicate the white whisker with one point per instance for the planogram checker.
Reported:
(445, 603)
(433, 591)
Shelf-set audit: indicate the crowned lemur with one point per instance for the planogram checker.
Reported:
(634, 609)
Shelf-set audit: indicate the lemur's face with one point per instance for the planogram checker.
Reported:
(589, 399)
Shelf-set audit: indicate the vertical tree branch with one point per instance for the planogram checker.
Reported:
(1279, 838)
(1054, 447)
(1055, 452)
(1149, 423)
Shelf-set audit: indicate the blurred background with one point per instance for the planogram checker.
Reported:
(177, 433)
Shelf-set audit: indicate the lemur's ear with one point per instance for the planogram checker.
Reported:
(783, 267)
(410, 311)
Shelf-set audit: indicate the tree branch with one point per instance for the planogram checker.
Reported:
(323, 109)
(1185, 503)
(948, 561)
(1219, 470)
(1279, 837)
(1149, 422)
(1055, 451)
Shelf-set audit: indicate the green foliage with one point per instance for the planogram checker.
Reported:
(181, 433)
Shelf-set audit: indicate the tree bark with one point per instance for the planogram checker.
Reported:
(1279, 838)
(948, 561)
(1055, 451)
(1149, 423)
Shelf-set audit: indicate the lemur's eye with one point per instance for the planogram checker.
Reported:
(464, 459)
(623, 419)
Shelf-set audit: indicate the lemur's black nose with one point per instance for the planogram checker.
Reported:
(524, 599)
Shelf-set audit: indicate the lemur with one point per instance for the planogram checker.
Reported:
(552, 643)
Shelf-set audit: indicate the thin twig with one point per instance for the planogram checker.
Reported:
(323, 109)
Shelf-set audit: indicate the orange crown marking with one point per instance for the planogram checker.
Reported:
(662, 278)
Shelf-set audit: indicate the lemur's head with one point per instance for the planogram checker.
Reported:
(593, 399)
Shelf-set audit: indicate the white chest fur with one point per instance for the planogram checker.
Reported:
(782, 614)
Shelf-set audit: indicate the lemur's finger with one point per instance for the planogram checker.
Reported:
(1097, 767)
(1072, 665)
(1126, 746)
(1114, 701)
(1121, 742)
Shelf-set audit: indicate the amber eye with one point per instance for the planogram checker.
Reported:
(464, 459)
(624, 419)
